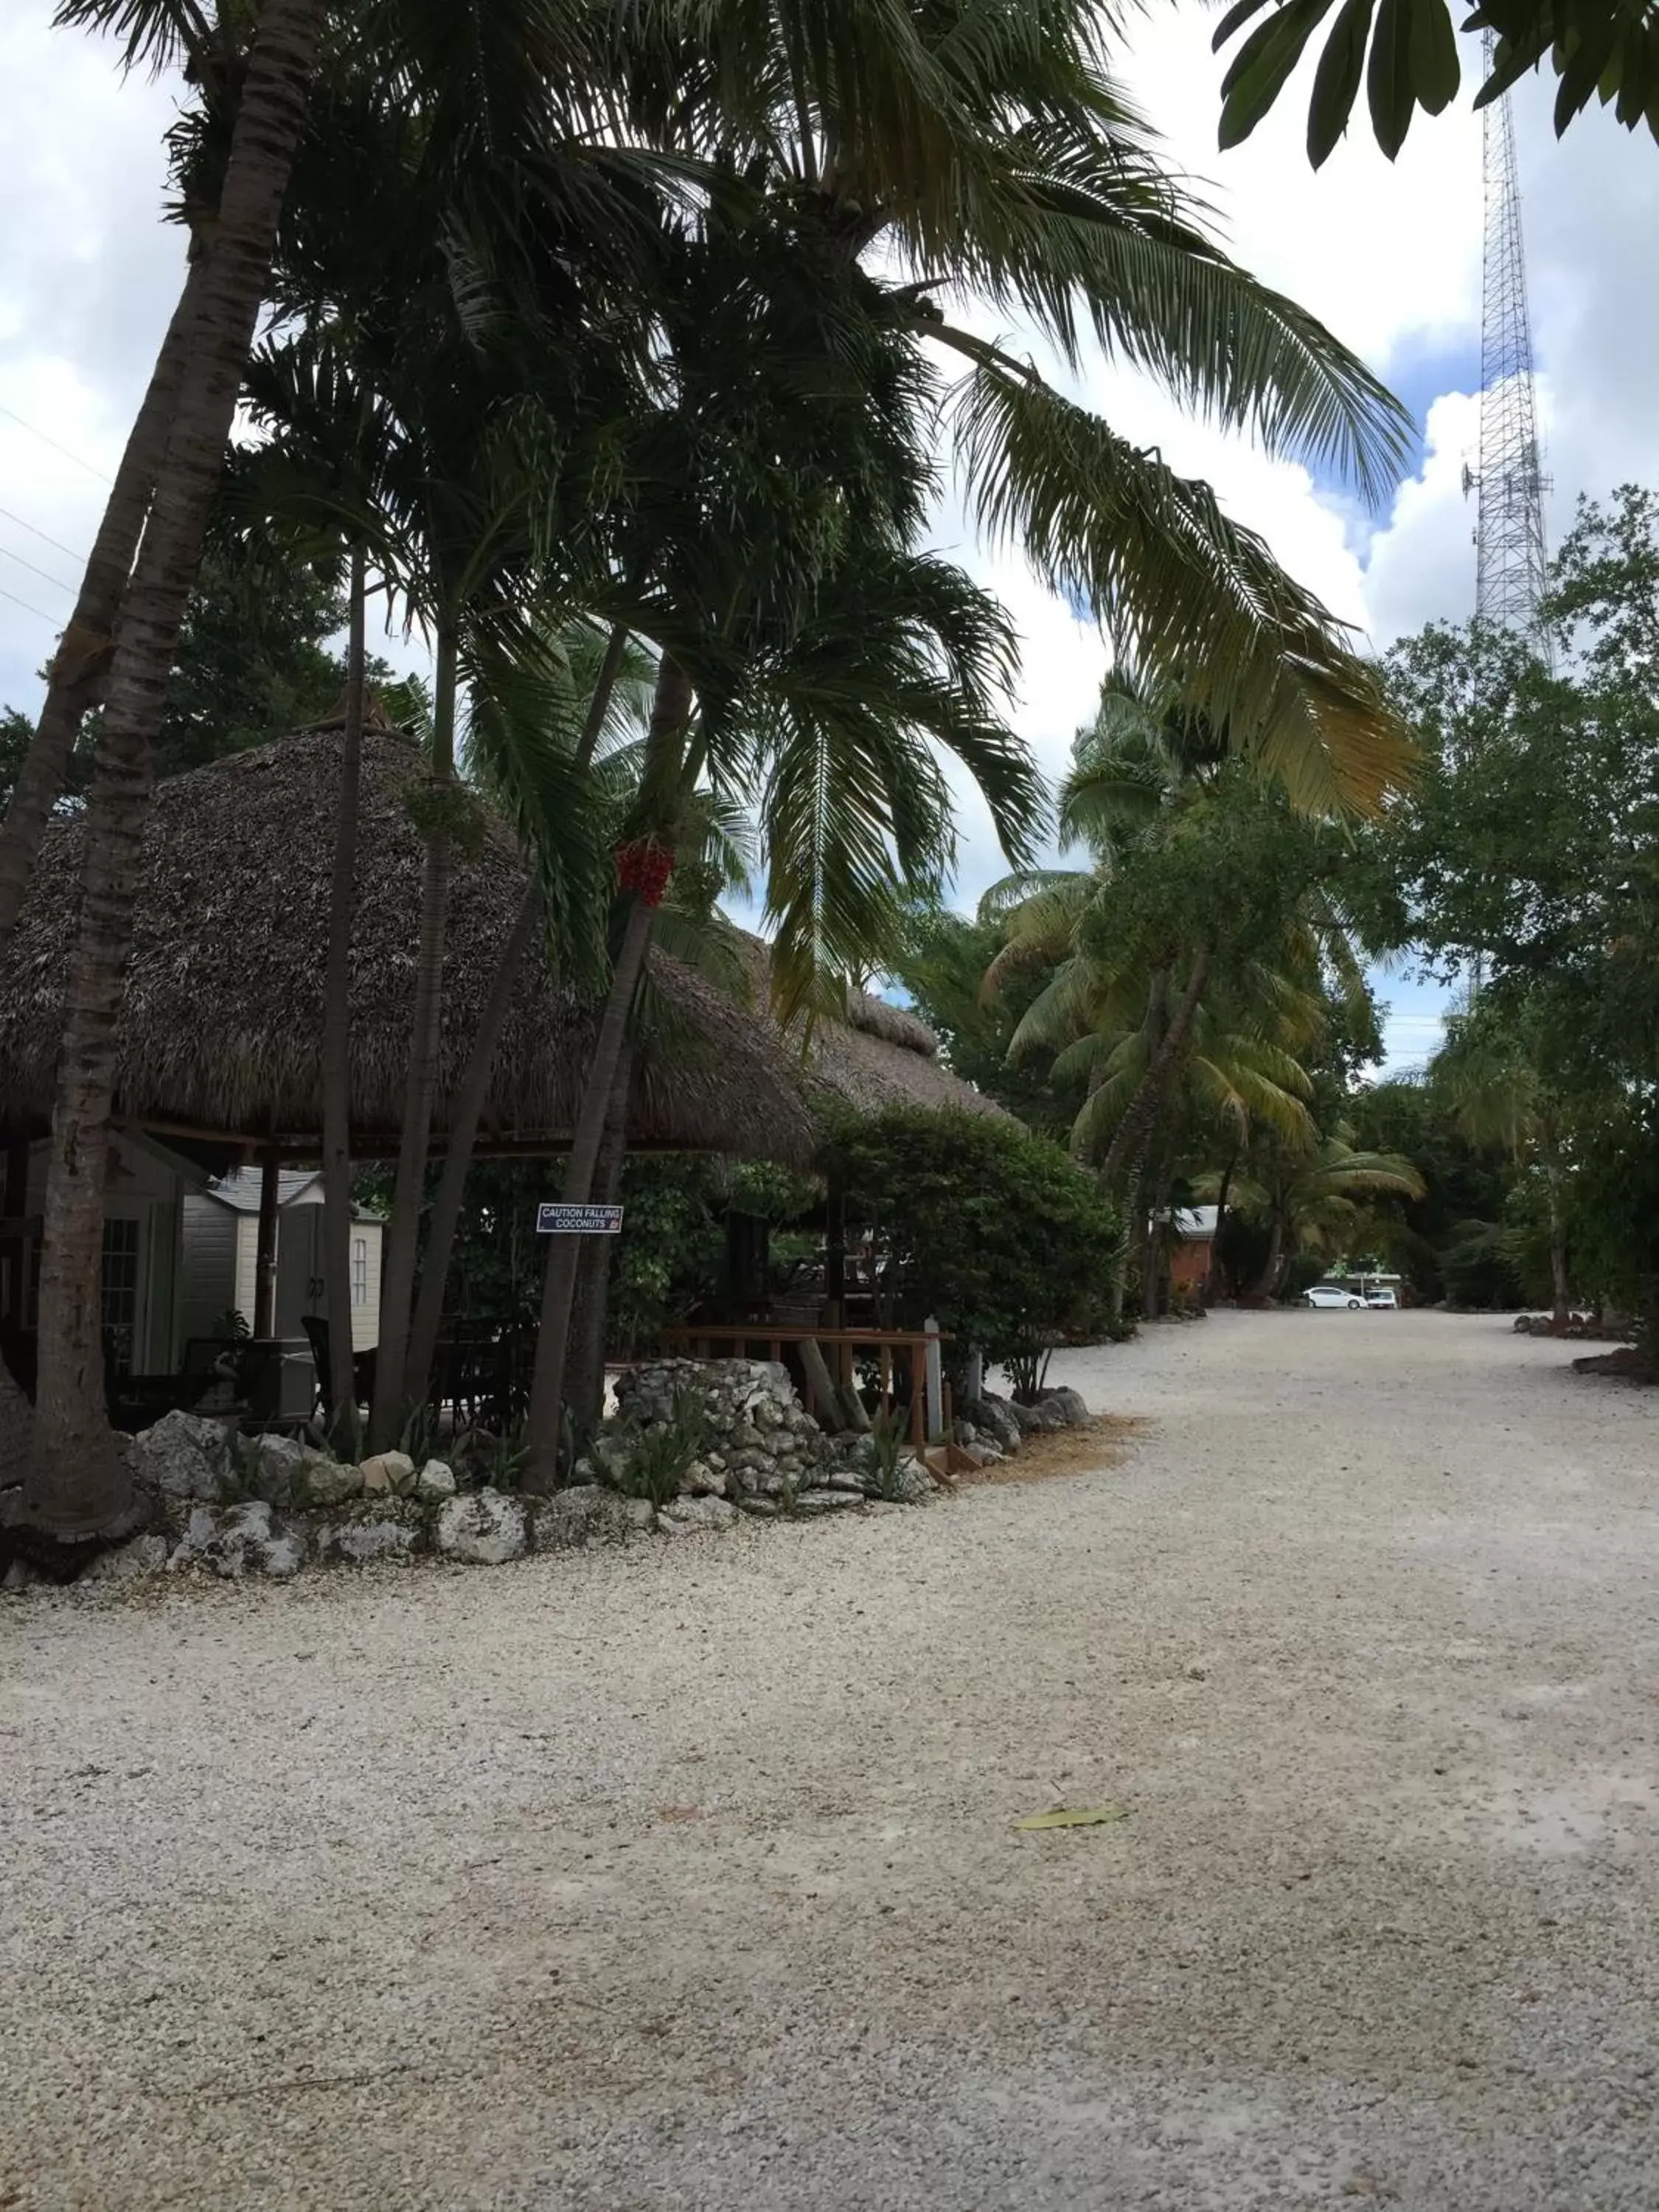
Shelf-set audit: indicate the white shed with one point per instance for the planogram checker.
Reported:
(220, 1234)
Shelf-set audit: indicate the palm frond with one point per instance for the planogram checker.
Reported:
(1202, 599)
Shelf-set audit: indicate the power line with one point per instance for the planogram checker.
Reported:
(29, 610)
(46, 576)
(43, 534)
(14, 417)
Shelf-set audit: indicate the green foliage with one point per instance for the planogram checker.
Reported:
(1608, 48)
(671, 1248)
(1531, 843)
(942, 963)
(492, 1463)
(658, 1456)
(1462, 1180)
(1478, 1266)
(991, 1227)
(258, 657)
(888, 1434)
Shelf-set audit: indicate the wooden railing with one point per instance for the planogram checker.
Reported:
(838, 1348)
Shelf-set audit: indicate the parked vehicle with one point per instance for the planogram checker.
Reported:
(1327, 1294)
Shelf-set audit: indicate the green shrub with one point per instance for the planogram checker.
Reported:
(1477, 1267)
(661, 1454)
(991, 1227)
(887, 1440)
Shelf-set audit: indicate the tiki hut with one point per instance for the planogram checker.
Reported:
(220, 1026)
(879, 1055)
(885, 1056)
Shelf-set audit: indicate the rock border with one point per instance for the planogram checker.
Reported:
(268, 1507)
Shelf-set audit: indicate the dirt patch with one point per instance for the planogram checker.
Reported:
(1630, 1362)
(1063, 1451)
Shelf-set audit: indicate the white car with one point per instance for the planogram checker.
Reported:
(1338, 1294)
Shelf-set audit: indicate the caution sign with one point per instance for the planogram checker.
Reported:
(578, 1220)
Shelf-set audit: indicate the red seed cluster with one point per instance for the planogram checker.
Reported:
(644, 867)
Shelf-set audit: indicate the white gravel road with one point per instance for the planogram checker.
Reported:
(689, 1877)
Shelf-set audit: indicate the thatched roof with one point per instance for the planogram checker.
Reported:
(220, 1026)
(881, 1055)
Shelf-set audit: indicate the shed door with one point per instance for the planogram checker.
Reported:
(299, 1288)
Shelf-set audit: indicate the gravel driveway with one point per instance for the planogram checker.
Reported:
(688, 1877)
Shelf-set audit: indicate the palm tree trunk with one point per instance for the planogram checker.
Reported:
(1142, 1111)
(1223, 1191)
(1265, 1285)
(1128, 1200)
(588, 1329)
(1152, 1275)
(87, 649)
(402, 1232)
(559, 1285)
(475, 1086)
(670, 716)
(337, 1028)
(1561, 1309)
(77, 1487)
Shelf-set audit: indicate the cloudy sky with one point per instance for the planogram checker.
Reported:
(1388, 257)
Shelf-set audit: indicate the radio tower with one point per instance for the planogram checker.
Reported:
(1512, 566)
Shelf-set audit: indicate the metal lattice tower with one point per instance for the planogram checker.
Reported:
(1512, 565)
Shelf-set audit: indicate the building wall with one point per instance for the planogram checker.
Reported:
(302, 1220)
(1189, 1263)
(247, 1252)
(366, 1310)
(208, 1270)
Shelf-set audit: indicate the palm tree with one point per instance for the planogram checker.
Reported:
(151, 34)
(1167, 968)
(841, 728)
(594, 714)
(1489, 1076)
(76, 1488)
(1042, 195)
(1310, 1200)
(488, 98)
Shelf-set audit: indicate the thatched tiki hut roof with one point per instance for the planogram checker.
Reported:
(885, 1055)
(881, 1055)
(220, 1028)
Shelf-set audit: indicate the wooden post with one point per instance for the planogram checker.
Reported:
(934, 1369)
(16, 1203)
(934, 1372)
(264, 1250)
(820, 1391)
(834, 1259)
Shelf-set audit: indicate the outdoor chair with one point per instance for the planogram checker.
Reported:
(363, 1367)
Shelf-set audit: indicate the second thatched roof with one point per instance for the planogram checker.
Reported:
(880, 1055)
(223, 1013)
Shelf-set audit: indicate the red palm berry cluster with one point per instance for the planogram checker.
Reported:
(644, 867)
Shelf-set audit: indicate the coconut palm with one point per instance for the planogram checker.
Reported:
(1060, 213)
(76, 1488)
(1168, 968)
(1057, 208)
(151, 34)
(1312, 1199)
